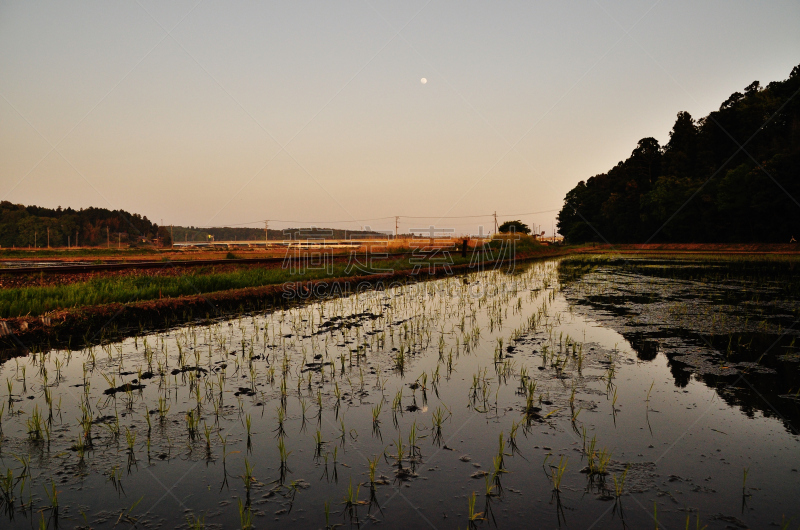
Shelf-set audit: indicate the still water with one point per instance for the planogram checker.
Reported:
(572, 394)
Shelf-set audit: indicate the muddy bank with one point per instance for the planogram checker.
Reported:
(74, 328)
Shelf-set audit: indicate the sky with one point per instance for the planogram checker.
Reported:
(314, 113)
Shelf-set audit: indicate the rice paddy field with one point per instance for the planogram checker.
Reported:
(579, 392)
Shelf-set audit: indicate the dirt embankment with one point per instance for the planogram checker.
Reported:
(95, 324)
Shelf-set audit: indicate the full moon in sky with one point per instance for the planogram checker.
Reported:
(423, 80)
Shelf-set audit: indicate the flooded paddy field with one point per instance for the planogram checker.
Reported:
(574, 393)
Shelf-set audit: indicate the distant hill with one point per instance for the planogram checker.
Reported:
(731, 176)
(24, 226)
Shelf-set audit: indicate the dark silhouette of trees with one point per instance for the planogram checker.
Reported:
(24, 226)
(517, 226)
(732, 176)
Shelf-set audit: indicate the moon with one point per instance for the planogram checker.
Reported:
(423, 80)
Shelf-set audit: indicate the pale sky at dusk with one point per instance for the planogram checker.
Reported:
(315, 111)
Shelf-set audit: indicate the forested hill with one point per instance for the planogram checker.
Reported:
(732, 176)
(29, 226)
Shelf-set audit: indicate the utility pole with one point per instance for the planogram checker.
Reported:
(119, 240)
(76, 239)
(48, 237)
(495, 222)
(34, 238)
(266, 233)
(396, 221)
(171, 238)
(108, 238)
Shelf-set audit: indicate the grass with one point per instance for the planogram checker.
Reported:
(125, 289)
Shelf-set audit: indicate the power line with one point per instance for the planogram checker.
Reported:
(397, 219)
(445, 217)
(528, 213)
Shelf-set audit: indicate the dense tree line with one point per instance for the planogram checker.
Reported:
(732, 176)
(29, 226)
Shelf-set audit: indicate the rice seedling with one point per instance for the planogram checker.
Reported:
(115, 477)
(437, 419)
(7, 487)
(245, 516)
(744, 482)
(284, 454)
(248, 477)
(34, 424)
(500, 454)
(52, 496)
(619, 482)
(327, 508)
(163, 409)
(192, 423)
(655, 515)
(512, 436)
(472, 515)
(698, 527)
(207, 434)
(319, 443)
(376, 412)
(194, 522)
(557, 473)
(373, 465)
(130, 438)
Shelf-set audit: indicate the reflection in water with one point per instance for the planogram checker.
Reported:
(731, 327)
